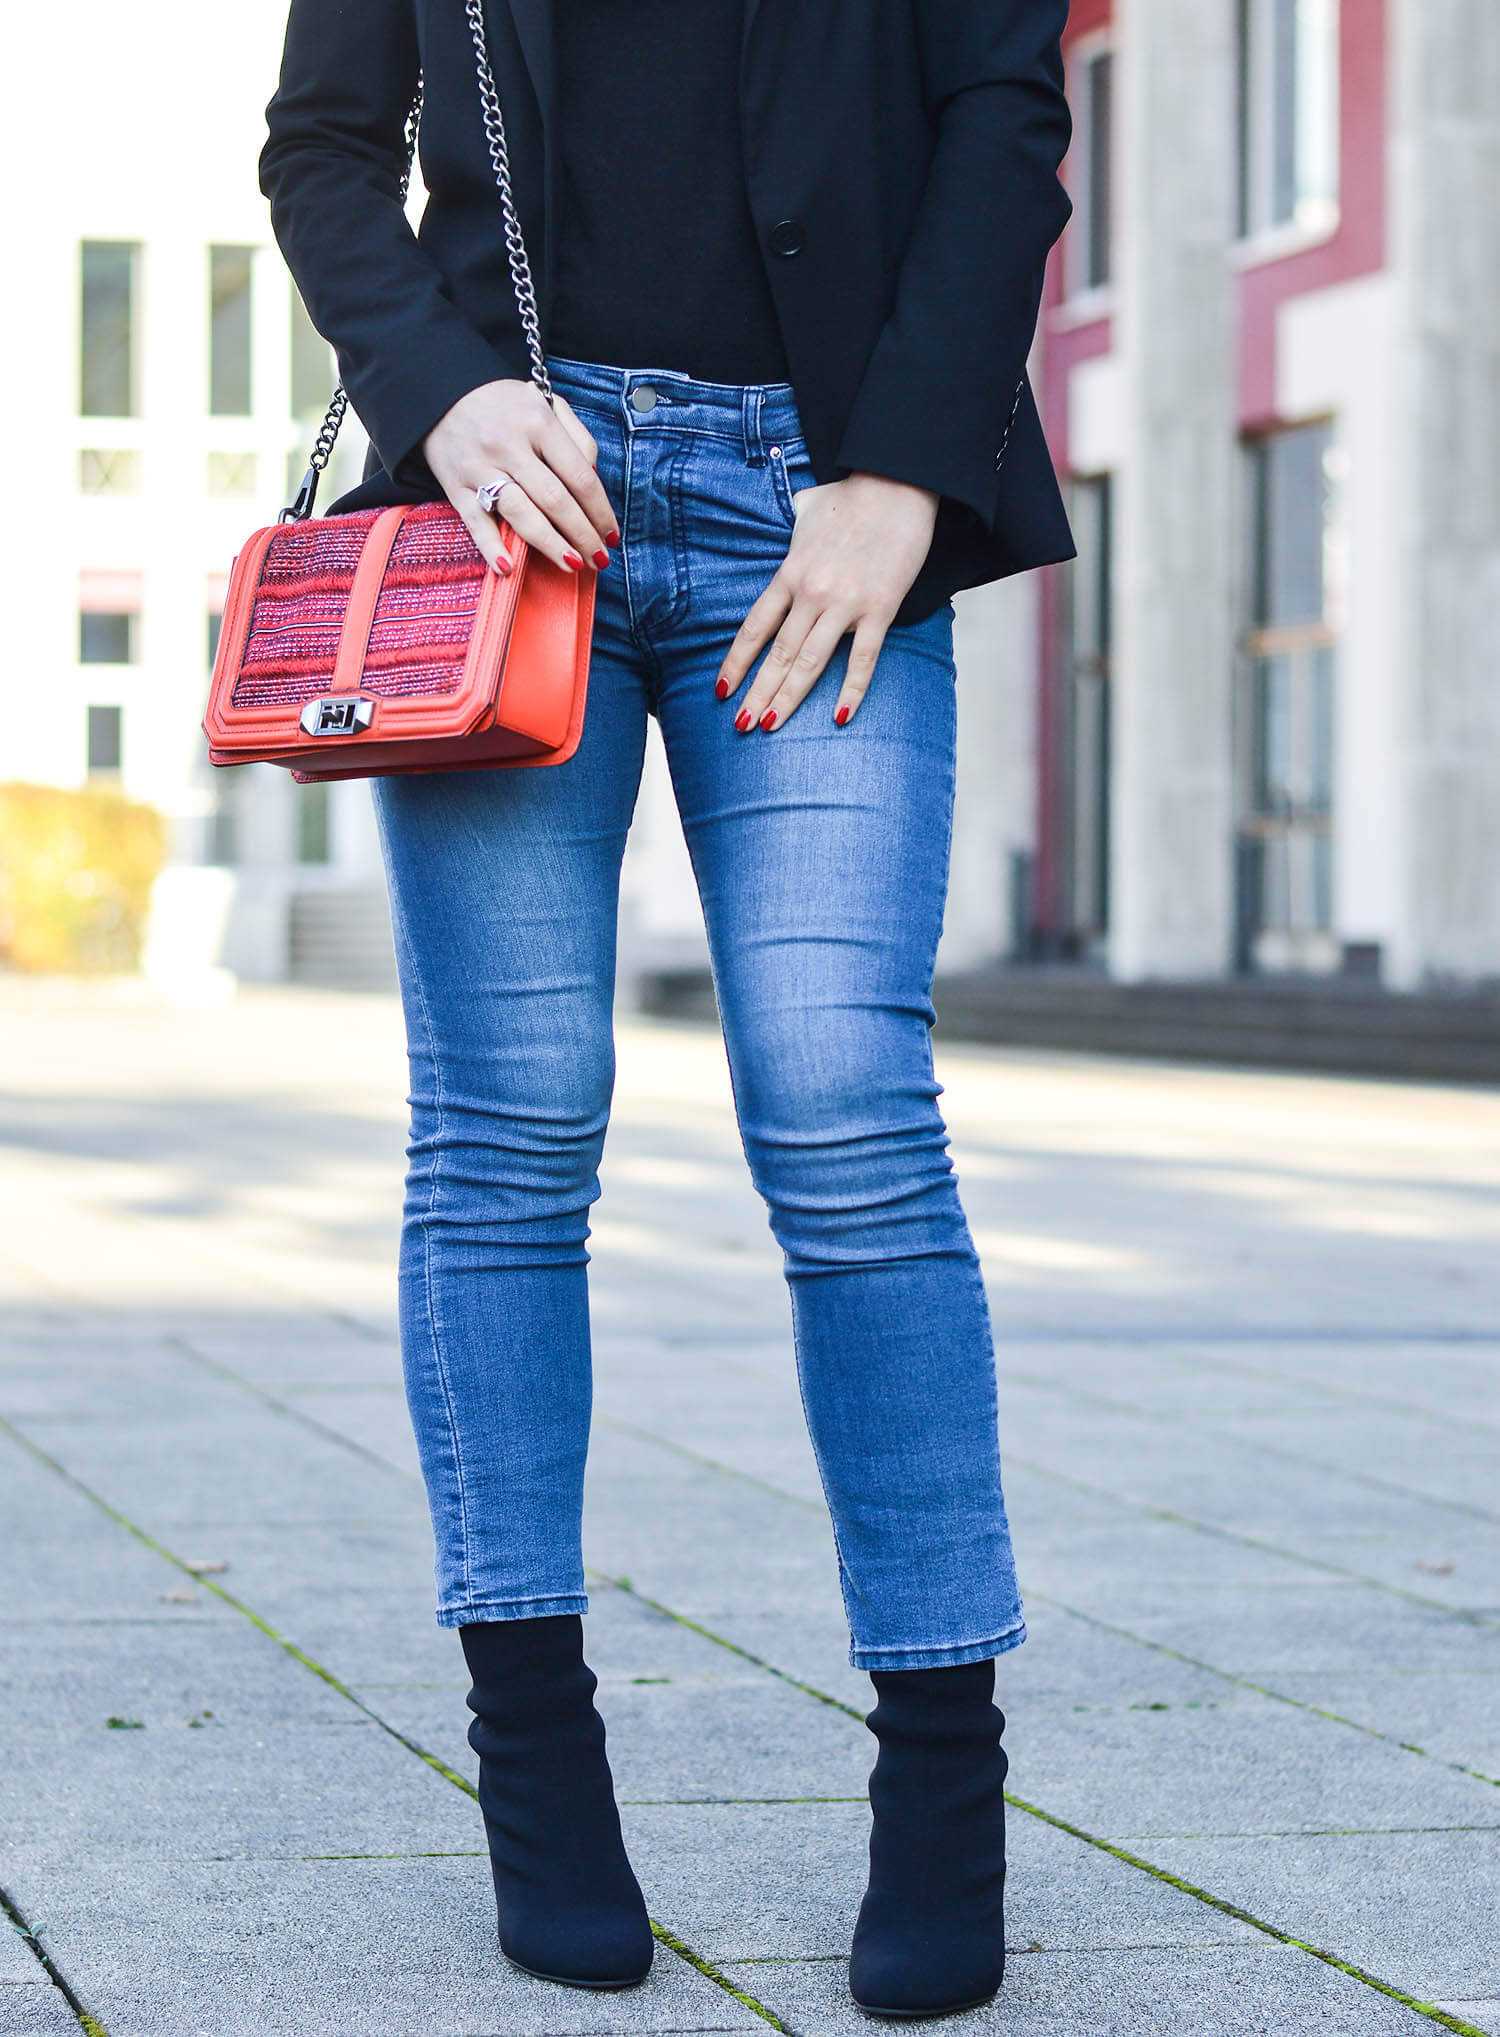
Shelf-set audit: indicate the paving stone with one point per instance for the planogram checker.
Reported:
(1483, 2015)
(251, 1788)
(395, 1948)
(723, 1737)
(1143, 1991)
(1416, 1908)
(1317, 1627)
(185, 1452)
(19, 1965)
(291, 1355)
(35, 2009)
(784, 1881)
(1247, 1766)
(61, 1681)
(77, 1562)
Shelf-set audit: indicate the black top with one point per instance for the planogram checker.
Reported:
(658, 260)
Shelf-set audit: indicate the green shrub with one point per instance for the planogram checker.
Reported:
(75, 878)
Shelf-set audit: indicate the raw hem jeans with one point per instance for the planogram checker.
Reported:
(821, 856)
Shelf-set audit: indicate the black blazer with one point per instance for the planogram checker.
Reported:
(902, 163)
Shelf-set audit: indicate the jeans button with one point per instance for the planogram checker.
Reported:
(788, 237)
(644, 398)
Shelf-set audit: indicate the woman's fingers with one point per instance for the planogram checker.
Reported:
(800, 665)
(565, 415)
(563, 458)
(537, 529)
(568, 447)
(765, 617)
(486, 535)
(776, 668)
(543, 510)
(869, 638)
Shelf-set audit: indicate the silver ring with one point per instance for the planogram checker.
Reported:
(492, 490)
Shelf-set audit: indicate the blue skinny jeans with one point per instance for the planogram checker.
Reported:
(821, 857)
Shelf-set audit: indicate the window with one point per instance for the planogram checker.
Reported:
(1289, 114)
(109, 613)
(1086, 745)
(313, 370)
(104, 728)
(106, 351)
(229, 331)
(1286, 714)
(112, 470)
(231, 473)
(106, 638)
(1090, 182)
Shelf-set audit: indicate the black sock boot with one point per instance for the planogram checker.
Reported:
(570, 1908)
(931, 1933)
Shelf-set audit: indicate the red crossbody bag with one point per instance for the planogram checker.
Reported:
(358, 645)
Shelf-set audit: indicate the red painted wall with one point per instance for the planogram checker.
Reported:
(1358, 248)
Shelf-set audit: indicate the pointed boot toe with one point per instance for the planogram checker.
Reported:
(587, 1948)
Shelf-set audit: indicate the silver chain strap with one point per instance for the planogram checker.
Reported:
(515, 248)
(515, 245)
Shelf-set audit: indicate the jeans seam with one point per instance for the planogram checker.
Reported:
(433, 1184)
(1002, 1643)
(638, 636)
(477, 1609)
(682, 598)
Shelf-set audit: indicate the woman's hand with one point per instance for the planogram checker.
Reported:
(856, 549)
(555, 500)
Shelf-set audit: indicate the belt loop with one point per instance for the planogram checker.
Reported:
(752, 399)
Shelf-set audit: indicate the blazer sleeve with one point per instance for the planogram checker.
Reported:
(331, 167)
(942, 384)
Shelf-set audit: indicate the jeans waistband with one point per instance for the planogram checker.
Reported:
(755, 415)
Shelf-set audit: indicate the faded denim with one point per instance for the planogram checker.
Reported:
(821, 856)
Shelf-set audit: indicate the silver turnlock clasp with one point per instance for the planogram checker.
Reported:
(337, 714)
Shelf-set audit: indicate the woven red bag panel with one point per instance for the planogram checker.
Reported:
(423, 618)
(299, 611)
(429, 597)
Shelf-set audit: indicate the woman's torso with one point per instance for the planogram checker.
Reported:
(658, 258)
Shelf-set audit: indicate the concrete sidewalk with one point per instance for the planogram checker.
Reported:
(1250, 1392)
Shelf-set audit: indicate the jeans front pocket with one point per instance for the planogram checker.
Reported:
(791, 473)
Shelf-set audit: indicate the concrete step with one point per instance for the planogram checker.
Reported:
(1332, 1023)
(341, 939)
(1281, 1022)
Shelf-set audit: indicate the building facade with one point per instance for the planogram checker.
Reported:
(1267, 733)
(1256, 727)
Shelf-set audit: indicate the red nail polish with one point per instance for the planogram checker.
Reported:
(601, 560)
(573, 562)
(611, 537)
(721, 691)
(768, 719)
(742, 720)
(843, 715)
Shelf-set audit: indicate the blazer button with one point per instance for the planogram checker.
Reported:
(788, 237)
